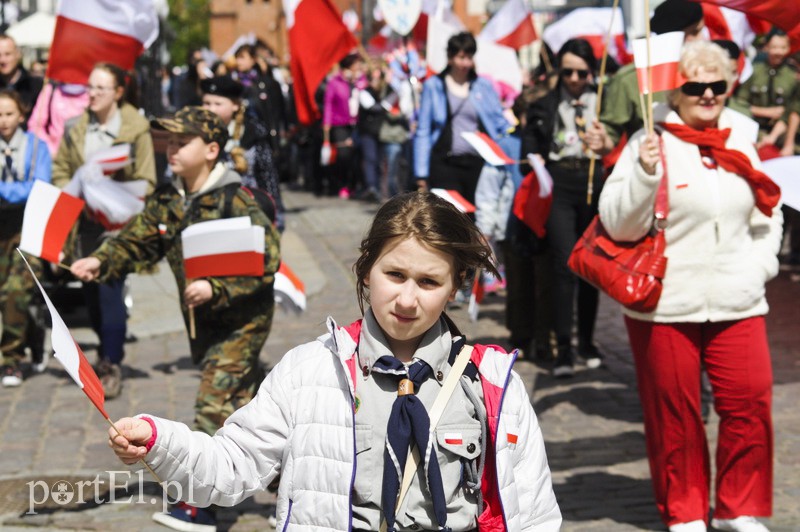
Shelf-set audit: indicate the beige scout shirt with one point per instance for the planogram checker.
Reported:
(457, 436)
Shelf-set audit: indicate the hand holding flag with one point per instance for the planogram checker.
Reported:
(68, 352)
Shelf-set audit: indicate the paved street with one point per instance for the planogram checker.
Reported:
(592, 424)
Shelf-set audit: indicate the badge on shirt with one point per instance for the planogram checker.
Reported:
(357, 403)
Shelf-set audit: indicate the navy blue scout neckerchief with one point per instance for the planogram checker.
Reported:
(408, 424)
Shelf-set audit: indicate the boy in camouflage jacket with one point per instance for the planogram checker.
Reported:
(233, 314)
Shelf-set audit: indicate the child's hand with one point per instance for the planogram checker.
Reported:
(130, 447)
(197, 293)
(86, 269)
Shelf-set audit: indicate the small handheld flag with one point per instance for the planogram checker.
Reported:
(49, 216)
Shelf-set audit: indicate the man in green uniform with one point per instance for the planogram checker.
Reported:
(772, 91)
(621, 113)
(233, 314)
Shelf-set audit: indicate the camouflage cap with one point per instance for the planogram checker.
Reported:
(195, 121)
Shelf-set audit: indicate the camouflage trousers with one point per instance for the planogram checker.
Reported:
(17, 289)
(231, 373)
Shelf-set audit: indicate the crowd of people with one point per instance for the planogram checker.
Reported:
(390, 131)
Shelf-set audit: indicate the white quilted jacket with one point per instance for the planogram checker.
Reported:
(301, 425)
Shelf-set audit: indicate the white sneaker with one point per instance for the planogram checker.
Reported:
(691, 526)
(743, 523)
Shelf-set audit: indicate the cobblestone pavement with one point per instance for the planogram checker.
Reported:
(51, 438)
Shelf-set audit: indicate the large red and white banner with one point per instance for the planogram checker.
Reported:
(665, 53)
(782, 13)
(592, 24)
(512, 26)
(90, 31)
(49, 216)
(487, 148)
(318, 39)
(220, 248)
(67, 352)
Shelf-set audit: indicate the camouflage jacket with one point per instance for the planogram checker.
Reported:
(156, 233)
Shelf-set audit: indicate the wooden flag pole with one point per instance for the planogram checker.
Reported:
(599, 105)
(649, 111)
(192, 331)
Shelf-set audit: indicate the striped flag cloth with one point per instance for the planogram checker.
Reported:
(512, 26)
(290, 292)
(90, 31)
(456, 199)
(534, 198)
(665, 53)
(487, 148)
(49, 216)
(70, 355)
(220, 248)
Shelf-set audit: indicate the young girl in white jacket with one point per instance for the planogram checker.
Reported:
(338, 417)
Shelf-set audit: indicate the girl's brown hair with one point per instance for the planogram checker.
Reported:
(433, 222)
(15, 97)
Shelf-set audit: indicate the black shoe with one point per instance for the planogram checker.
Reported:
(592, 356)
(563, 368)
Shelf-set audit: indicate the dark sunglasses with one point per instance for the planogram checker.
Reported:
(695, 88)
(567, 72)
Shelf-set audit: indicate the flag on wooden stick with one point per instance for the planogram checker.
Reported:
(70, 355)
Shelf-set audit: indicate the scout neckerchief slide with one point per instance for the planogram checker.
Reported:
(449, 385)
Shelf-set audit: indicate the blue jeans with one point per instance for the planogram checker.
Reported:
(109, 317)
(370, 161)
(391, 185)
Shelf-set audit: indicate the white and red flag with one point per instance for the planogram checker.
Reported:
(220, 248)
(591, 24)
(665, 54)
(534, 198)
(49, 216)
(70, 355)
(456, 199)
(112, 203)
(512, 26)
(487, 148)
(290, 292)
(90, 31)
(476, 297)
(318, 39)
(785, 15)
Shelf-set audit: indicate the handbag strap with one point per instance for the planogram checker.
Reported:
(661, 209)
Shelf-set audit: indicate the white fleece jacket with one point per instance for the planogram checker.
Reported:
(721, 249)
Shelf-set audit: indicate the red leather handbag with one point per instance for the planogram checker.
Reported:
(629, 272)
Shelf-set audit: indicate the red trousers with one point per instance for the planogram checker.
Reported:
(736, 356)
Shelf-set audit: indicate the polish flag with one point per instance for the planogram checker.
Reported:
(70, 355)
(91, 31)
(112, 203)
(456, 199)
(535, 197)
(318, 39)
(487, 148)
(476, 297)
(591, 24)
(453, 438)
(785, 15)
(665, 53)
(512, 26)
(220, 248)
(49, 216)
(290, 292)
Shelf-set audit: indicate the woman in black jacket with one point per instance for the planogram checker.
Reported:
(555, 131)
